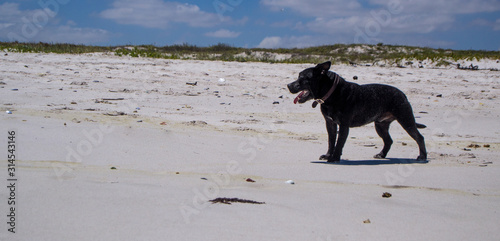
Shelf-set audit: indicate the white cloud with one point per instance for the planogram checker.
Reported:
(223, 33)
(332, 25)
(315, 8)
(496, 26)
(419, 23)
(389, 21)
(160, 14)
(8, 11)
(270, 43)
(393, 16)
(43, 25)
(481, 22)
(292, 42)
(442, 6)
(5, 25)
(484, 22)
(281, 24)
(70, 34)
(374, 26)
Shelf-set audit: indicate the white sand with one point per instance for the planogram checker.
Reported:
(226, 132)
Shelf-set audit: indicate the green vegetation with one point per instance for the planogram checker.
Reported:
(340, 53)
(49, 48)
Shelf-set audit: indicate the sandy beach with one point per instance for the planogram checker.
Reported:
(121, 148)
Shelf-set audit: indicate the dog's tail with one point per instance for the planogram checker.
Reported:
(421, 126)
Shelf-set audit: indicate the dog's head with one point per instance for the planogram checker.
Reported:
(308, 83)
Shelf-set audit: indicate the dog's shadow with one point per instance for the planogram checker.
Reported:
(373, 162)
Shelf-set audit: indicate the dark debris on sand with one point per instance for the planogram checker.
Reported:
(229, 201)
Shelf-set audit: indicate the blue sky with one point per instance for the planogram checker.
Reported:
(455, 24)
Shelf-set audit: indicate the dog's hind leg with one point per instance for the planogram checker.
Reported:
(382, 129)
(405, 117)
(410, 127)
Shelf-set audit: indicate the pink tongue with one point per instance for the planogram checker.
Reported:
(298, 97)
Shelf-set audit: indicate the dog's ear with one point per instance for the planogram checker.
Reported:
(324, 66)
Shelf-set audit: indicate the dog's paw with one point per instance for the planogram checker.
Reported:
(324, 157)
(333, 159)
(422, 158)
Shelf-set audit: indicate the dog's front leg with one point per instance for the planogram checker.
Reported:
(343, 133)
(331, 128)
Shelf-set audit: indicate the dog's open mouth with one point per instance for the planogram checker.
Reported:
(302, 97)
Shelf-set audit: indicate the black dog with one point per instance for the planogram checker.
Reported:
(351, 105)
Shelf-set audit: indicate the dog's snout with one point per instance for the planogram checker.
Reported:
(293, 87)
